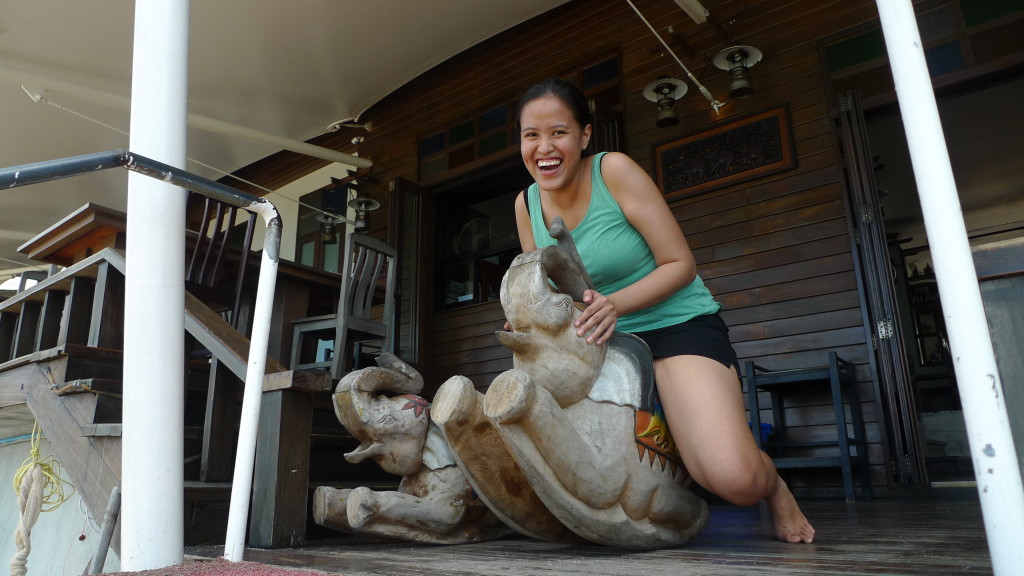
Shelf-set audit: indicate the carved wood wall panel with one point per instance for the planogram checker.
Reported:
(727, 153)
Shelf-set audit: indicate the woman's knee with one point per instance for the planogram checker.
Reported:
(743, 482)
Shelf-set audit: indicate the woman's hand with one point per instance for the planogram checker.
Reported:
(598, 319)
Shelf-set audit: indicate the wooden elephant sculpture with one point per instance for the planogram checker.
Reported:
(434, 502)
(581, 423)
(568, 446)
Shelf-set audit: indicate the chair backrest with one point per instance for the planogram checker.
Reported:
(368, 280)
(215, 270)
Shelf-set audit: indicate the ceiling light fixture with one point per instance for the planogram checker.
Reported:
(328, 233)
(362, 205)
(715, 104)
(737, 60)
(664, 92)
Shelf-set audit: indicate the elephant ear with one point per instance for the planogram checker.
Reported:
(515, 341)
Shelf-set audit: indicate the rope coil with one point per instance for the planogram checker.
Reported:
(40, 488)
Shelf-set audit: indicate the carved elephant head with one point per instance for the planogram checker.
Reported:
(391, 429)
(543, 338)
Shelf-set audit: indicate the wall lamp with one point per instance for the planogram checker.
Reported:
(328, 232)
(362, 204)
(737, 60)
(343, 196)
(664, 92)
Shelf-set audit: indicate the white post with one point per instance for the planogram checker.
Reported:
(988, 429)
(152, 468)
(245, 457)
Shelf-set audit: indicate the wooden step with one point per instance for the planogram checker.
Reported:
(105, 386)
(207, 491)
(97, 430)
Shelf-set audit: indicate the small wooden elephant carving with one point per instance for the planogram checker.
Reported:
(434, 503)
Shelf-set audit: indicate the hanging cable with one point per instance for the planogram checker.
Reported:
(41, 98)
(716, 104)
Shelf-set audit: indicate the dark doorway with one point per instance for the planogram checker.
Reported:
(982, 130)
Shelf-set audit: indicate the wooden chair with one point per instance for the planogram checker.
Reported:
(216, 268)
(839, 378)
(370, 271)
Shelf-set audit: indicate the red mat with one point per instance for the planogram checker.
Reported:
(219, 567)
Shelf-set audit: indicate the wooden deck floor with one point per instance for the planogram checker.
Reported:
(931, 536)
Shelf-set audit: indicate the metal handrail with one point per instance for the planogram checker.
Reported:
(49, 170)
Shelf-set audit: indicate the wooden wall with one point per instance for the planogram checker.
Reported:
(776, 251)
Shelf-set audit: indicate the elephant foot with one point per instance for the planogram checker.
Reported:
(362, 507)
(509, 397)
(329, 507)
(456, 404)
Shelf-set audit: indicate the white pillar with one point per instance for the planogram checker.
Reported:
(988, 427)
(152, 469)
(248, 427)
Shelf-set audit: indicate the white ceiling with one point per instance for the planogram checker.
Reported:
(987, 159)
(288, 69)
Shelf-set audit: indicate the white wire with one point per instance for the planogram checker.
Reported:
(26, 265)
(714, 103)
(194, 161)
(85, 512)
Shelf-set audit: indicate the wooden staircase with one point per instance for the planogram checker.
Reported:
(61, 347)
(60, 344)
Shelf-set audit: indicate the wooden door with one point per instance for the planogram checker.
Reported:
(875, 276)
(405, 235)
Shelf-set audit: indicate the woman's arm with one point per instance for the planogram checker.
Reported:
(523, 224)
(645, 208)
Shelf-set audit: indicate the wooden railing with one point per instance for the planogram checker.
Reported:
(61, 346)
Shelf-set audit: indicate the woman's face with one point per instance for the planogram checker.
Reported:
(552, 142)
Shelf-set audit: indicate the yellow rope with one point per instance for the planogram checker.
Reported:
(53, 495)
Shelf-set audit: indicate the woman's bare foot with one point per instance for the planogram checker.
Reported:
(790, 523)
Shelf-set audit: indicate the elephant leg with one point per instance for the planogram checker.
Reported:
(487, 463)
(534, 426)
(583, 463)
(330, 508)
(402, 515)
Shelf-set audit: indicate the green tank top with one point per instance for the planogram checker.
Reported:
(616, 255)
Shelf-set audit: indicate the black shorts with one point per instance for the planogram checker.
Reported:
(705, 335)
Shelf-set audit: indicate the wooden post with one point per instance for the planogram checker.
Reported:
(222, 412)
(8, 323)
(28, 325)
(106, 328)
(49, 321)
(109, 521)
(74, 323)
(281, 478)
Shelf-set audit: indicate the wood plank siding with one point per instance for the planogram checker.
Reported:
(776, 251)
